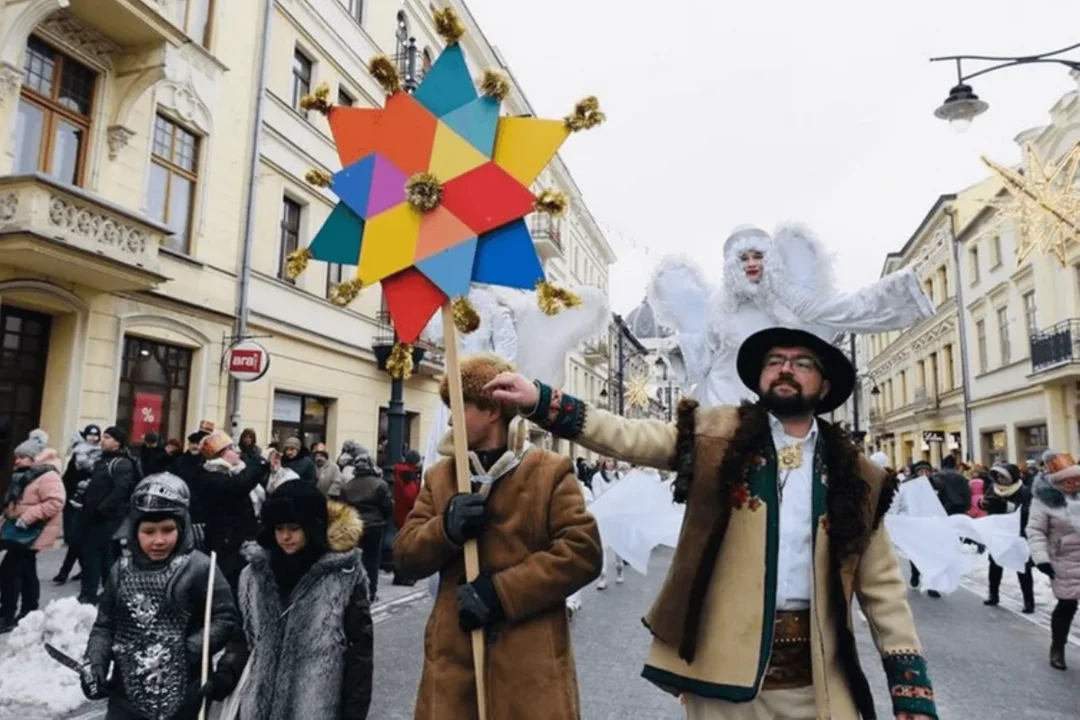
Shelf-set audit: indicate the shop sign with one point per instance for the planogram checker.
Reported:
(933, 436)
(248, 361)
(147, 414)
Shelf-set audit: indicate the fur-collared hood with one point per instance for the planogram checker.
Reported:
(1047, 493)
(222, 466)
(344, 528)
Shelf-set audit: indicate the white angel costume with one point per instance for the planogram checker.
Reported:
(513, 327)
(932, 540)
(795, 290)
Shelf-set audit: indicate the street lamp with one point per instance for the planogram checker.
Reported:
(662, 368)
(963, 105)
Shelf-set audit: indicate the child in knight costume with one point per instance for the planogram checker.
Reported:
(783, 526)
(782, 280)
(149, 625)
(537, 545)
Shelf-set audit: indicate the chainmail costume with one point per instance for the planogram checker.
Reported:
(149, 641)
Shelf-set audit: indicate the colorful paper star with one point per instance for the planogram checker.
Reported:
(483, 165)
(1042, 202)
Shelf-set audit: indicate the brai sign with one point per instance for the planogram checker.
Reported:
(248, 361)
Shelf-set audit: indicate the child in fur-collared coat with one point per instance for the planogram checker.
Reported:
(306, 614)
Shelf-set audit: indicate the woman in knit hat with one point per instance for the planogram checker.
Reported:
(1007, 494)
(304, 600)
(294, 458)
(32, 505)
(1054, 537)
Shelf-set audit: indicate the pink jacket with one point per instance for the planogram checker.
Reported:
(977, 491)
(43, 499)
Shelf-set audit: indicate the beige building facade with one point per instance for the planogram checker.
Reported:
(127, 130)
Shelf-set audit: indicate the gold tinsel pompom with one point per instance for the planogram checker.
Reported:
(399, 364)
(319, 101)
(495, 85)
(552, 299)
(344, 293)
(318, 178)
(448, 25)
(296, 262)
(552, 202)
(466, 319)
(423, 192)
(586, 115)
(385, 72)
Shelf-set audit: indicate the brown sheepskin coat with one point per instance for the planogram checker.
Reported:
(540, 546)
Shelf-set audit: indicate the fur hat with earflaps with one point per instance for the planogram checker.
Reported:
(33, 445)
(476, 372)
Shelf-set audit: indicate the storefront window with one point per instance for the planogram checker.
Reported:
(995, 449)
(1033, 442)
(299, 416)
(153, 396)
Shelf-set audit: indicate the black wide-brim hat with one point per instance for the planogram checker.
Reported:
(836, 366)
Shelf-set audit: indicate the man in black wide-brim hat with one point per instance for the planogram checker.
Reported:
(783, 526)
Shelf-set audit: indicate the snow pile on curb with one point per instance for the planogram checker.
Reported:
(31, 682)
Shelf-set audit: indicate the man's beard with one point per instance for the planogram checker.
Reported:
(788, 406)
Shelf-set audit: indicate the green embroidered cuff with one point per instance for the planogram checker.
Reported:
(909, 683)
(561, 415)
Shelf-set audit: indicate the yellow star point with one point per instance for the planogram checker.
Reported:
(1042, 203)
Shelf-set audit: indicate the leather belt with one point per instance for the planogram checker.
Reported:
(791, 664)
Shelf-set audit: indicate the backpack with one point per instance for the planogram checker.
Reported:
(136, 467)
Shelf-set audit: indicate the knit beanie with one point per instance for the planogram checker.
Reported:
(297, 503)
(33, 445)
(117, 433)
(293, 442)
(91, 429)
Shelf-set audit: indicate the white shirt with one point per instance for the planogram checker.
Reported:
(794, 575)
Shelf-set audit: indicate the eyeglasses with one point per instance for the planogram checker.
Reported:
(800, 363)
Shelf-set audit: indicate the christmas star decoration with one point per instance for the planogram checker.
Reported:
(637, 390)
(434, 188)
(1042, 203)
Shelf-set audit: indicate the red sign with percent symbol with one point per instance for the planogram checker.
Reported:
(147, 416)
(248, 361)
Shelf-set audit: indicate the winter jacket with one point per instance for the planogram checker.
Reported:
(1055, 539)
(223, 494)
(185, 590)
(329, 482)
(111, 482)
(994, 504)
(540, 547)
(953, 491)
(311, 656)
(363, 487)
(77, 475)
(303, 467)
(406, 489)
(978, 491)
(41, 501)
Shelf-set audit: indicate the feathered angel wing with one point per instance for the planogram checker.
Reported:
(543, 341)
(807, 262)
(678, 294)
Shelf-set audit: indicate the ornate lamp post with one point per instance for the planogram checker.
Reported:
(963, 105)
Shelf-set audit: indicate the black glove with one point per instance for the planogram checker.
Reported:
(92, 679)
(1047, 569)
(194, 699)
(465, 517)
(478, 605)
(222, 684)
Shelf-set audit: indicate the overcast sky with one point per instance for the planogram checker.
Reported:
(724, 113)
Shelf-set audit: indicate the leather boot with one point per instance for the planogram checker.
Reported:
(1057, 657)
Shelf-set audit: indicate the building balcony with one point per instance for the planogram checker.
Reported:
(595, 352)
(133, 23)
(68, 233)
(547, 235)
(1056, 347)
(925, 401)
(432, 357)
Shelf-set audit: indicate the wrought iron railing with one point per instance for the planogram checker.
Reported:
(547, 227)
(1057, 345)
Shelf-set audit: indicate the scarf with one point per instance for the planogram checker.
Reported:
(1007, 491)
(289, 570)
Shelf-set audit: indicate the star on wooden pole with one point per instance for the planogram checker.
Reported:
(1042, 202)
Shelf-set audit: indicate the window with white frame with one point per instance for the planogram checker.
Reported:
(335, 275)
(995, 252)
(174, 174)
(980, 340)
(355, 8)
(973, 263)
(195, 18)
(291, 212)
(1030, 313)
(302, 68)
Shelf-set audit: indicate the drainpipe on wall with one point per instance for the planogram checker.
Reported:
(961, 326)
(249, 224)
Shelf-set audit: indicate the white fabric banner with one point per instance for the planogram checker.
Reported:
(635, 515)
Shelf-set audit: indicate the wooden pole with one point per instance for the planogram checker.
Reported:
(206, 631)
(461, 468)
